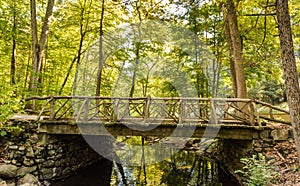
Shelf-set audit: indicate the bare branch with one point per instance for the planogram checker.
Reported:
(269, 14)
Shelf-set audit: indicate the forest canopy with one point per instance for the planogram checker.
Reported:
(44, 44)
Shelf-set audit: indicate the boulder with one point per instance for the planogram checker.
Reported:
(48, 163)
(8, 171)
(280, 134)
(25, 170)
(28, 162)
(265, 134)
(28, 180)
(13, 147)
(51, 152)
(28, 184)
(46, 173)
(10, 183)
(30, 153)
(3, 183)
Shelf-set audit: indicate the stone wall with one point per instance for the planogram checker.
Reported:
(38, 158)
(229, 152)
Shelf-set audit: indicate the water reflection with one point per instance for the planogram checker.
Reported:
(186, 168)
(182, 169)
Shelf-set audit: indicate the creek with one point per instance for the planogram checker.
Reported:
(182, 169)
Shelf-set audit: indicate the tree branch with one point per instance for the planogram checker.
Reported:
(269, 14)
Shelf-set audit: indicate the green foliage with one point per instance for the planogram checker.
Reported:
(3, 132)
(258, 171)
(14, 130)
(269, 91)
(9, 103)
(74, 27)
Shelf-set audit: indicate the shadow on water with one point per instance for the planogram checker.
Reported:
(98, 174)
(184, 168)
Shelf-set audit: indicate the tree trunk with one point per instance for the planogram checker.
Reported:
(67, 76)
(137, 52)
(43, 39)
(289, 68)
(230, 50)
(32, 83)
(237, 50)
(27, 68)
(76, 59)
(14, 44)
(101, 59)
(38, 46)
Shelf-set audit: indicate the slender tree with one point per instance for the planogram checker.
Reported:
(38, 46)
(101, 58)
(14, 46)
(32, 82)
(236, 43)
(230, 50)
(83, 31)
(137, 50)
(289, 68)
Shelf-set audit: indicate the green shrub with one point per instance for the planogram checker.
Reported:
(9, 104)
(258, 171)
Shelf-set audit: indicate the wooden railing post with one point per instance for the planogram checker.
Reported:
(255, 113)
(227, 106)
(213, 116)
(271, 113)
(116, 110)
(181, 111)
(33, 105)
(146, 108)
(86, 109)
(252, 112)
(52, 111)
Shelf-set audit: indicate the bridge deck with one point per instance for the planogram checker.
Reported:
(224, 131)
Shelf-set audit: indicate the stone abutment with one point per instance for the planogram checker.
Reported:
(38, 158)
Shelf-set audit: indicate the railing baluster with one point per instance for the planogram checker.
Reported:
(255, 112)
(86, 109)
(43, 108)
(213, 116)
(181, 111)
(116, 110)
(271, 113)
(52, 111)
(146, 108)
(252, 112)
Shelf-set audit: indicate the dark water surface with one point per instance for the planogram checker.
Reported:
(184, 168)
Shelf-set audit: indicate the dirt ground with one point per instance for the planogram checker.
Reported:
(286, 162)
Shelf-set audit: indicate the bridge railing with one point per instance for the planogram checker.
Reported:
(151, 110)
(274, 114)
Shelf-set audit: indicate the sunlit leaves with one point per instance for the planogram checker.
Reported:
(74, 20)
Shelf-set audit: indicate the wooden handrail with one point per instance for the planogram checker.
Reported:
(271, 106)
(138, 98)
(173, 109)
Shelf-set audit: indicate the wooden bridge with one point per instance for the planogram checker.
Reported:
(233, 118)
